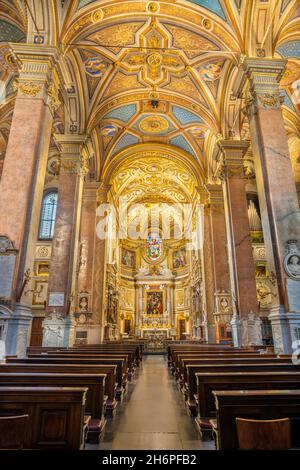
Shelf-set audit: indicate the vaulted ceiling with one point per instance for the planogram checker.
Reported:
(161, 71)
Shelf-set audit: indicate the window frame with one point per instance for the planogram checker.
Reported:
(42, 220)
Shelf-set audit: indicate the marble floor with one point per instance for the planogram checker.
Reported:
(153, 414)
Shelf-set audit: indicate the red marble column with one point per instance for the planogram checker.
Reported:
(65, 242)
(99, 271)
(216, 267)
(87, 238)
(277, 191)
(208, 266)
(24, 168)
(234, 186)
(219, 238)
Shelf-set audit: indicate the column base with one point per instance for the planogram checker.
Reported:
(58, 331)
(251, 331)
(137, 332)
(285, 329)
(18, 328)
(246, 331)
(211, 333)
(236, 331)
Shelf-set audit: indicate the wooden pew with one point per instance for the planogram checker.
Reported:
(109, 370)
(120, 362)
(94, 398)
(235, 365)
(255, 404)
(223, 358)
(173, 349)
(129, 357)
(56, 415)
(175, 353)
(209, 382)
(135, 350)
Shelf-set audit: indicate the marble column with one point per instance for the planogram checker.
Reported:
(277, 193)
(239, 237)
(141, 300)
(136, 306)
(86, 254)
(87, 237)
(99, 270)
(209, 323)
(139, 308)
(24, 170)
(222, 289)
(64, 258)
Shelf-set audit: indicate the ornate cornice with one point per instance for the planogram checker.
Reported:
(233, 152)
(73, 154)
(102, 193)
(39, 75)
(216, 196)
(258, 81)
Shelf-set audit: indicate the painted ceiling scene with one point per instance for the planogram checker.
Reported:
(134, 72)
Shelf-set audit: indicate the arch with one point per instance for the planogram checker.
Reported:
(148, 150)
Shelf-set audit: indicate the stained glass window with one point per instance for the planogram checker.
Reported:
(48, 216)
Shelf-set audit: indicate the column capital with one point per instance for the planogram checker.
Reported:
(69, 144)
(263, 74)
(102, 193)
(259, 79)
(39, 75)
(73, 155)
(203, 193)
(216, 196)
(232, 152)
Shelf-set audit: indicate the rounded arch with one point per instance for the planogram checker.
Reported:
(148, 150)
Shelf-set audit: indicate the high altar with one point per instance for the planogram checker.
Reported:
(155, 303)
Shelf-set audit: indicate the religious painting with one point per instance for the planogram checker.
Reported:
(128, 258)
(154, 303)
(109, 130)
(179, 259)
(95, 67)
(197, 132)
(211, 72)
(154, 247)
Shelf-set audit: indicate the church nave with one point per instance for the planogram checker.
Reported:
(153, 414)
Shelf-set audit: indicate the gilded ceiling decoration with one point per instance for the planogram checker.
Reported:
(122, 82)
(144, 179)
(10, 32)
(192, 44)
(115, 37)
(186, 85)
(154, 124)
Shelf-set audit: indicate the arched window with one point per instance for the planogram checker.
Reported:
(48, 216)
